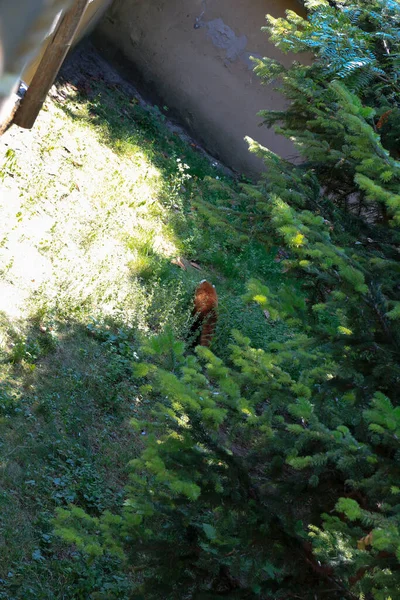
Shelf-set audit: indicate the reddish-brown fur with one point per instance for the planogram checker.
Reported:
(204, 313)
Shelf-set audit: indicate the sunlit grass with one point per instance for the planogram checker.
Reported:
(69, 219)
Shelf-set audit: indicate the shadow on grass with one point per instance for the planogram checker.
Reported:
(66, 397)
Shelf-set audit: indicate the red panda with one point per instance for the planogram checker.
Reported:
(204, 314)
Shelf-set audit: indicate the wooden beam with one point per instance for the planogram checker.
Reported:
(49, 66)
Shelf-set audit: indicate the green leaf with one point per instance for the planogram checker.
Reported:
(210, 531)
(349, 507)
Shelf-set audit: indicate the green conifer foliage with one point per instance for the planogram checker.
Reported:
(355, 42)
(276, 475)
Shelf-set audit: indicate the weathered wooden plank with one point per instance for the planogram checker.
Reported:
(49, 66)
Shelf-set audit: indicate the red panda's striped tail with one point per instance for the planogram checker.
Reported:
(204, 314)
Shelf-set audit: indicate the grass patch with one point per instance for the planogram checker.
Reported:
(95, 204)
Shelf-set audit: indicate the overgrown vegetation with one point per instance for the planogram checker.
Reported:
(96, 203)
(266, 467)
(273, 472)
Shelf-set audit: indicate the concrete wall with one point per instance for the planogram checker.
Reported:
(194, 55)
